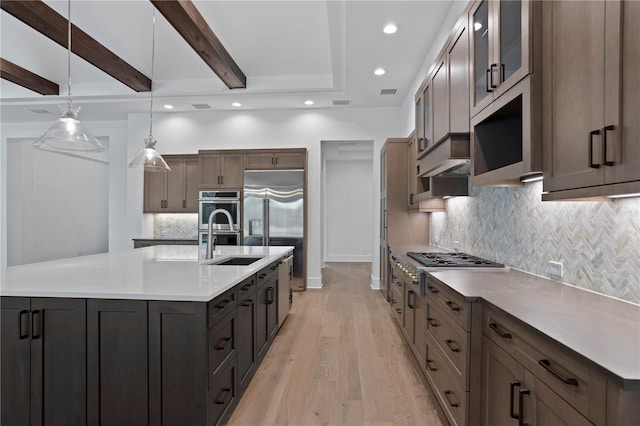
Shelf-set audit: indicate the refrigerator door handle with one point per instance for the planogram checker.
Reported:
(265, 224)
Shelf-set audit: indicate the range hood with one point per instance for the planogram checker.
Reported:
(451, 154)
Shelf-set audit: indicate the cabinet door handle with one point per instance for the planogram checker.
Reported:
(591, 135)
(450, 344)
(447, 396)
(432, 322)
(247, 302)
(276, 160)
(493, 86)
(222, 396)
(546, 364)
(270, 296)
(523, 392)
(23, 324)
(184, 204)
(501, 73)
(36, 324)
(453, 306)
(223, 343)
(512, 401)
(410, 294)
(399, 283)
(398, 310)
(221, 180)
(494, 327)
(489, 90)
(604, 145)
(411, 199)
(430, 366)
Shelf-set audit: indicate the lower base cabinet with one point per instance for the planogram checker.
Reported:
(77, 362)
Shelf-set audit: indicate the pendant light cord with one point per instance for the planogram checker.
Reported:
(69, 55)
(153, 54)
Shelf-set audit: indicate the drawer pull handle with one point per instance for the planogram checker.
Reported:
(432, 322)
(430, 366)
(398, 310)
(449, 400)
(604, 145)
(523, 392)
(591, 163)
(450, 343)
(453, 306)
(433, 290)
(223, 343)
(261, 276)
(512, 401)
(410, 304)
(494, 327)
(248, 302)
(399, 283)
(223, 304)
(222, 396)
(546, 364)
(36, 324)
(246, 287)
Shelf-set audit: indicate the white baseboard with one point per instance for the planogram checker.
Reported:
(375, 283)
(348, 258)
(314, 283)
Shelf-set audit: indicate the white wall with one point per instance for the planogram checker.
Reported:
(349, 213)
(183, 133)
(114, 181)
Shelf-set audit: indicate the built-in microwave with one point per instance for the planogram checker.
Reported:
(212, 200)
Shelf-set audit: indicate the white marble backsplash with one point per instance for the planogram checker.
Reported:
(598, 243)
(179, 225)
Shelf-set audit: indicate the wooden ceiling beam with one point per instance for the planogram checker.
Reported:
(50, 23)
(25, 78)
(190, 24)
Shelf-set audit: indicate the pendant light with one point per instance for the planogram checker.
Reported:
(68, 133)
(149, 157)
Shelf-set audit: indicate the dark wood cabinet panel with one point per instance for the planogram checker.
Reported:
(155, 192)
(177, 363)
(117, 379)
(260, 160)
(191, 184)
(223, 394)
(262, 331)
(58, 361)
(175, 191)
(232, 171)
(247, 351)
(222, 342)
(272, 309)
(221, 170)
(15, 334)
(175, 184)
(290, 160)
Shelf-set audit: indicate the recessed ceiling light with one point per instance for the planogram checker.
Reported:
(477, 26)
(379, 71)
(167, 106)
(308, 102)
(236, 104)
(390, 29)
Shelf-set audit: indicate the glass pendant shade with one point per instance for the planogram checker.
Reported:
(150, 158)
(68, 134)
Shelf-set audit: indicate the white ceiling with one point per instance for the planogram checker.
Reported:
(290, 51)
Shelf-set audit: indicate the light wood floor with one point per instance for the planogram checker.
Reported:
(339, 359)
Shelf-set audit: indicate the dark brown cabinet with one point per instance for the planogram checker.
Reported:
(267, 315)
(175, 191)
(44, 368)
(591, 99)
(424, 128)
(412, 178)
(117, 376)
(286, 159)
(247, 351)
(221, 169)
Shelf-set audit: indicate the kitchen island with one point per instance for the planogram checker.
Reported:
(147, 336)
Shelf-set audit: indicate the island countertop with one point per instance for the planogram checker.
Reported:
(151, 273)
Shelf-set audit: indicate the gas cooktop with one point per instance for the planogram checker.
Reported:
(452, 260)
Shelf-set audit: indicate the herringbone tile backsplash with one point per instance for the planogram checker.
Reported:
(597, 242)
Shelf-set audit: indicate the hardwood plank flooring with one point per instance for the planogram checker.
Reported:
(339, 359)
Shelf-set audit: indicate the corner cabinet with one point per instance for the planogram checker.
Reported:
(221, 169)
(591, 99)
(175, 191)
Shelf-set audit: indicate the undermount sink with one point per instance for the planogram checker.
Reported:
(234, 261)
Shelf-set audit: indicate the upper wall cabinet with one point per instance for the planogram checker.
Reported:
(591, 98)
(175, 191)
(501, 53)
(260, 160)
(221, 169)
(424, 135)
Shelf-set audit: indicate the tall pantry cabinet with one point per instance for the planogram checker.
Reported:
(398, 225)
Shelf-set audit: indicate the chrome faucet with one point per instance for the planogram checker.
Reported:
(211, 246)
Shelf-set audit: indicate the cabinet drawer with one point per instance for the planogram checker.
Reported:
(266, 274)
(246, 288)
(452, 339)
(450, 302)
(223, 393)
(570, 376)
(221, 305)
(222, 341)
(452, 397)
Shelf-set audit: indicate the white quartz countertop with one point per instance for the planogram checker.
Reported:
(150, 273)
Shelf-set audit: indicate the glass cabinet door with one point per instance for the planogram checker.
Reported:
(419, 124)
(481, 46)
(512, 45)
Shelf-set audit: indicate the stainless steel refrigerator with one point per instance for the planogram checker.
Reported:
(273, 207)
